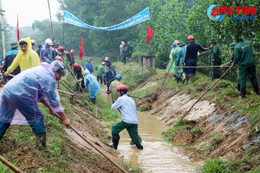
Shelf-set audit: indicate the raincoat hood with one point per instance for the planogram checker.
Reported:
(86, 72)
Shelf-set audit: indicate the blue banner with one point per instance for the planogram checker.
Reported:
(138, 18)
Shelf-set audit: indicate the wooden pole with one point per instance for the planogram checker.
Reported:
(10, 165)
(73, 92)
(212, 66)
(94, 146)
(205, 93)
(64, 92)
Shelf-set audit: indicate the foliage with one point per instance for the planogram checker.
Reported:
(218, 165)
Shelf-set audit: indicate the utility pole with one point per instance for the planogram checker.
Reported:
(2, 28)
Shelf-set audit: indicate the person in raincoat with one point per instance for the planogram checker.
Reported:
(26, 57)
(173, 56)
(47, 54)
(113, 87)
(93, 87)
(89, 66)
(180, 61)
(25, 91)
(100, 72)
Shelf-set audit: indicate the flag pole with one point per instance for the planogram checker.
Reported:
(2, 28)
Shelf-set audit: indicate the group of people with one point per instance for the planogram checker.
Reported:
(35, 83)
(186, 55)
(125, 52)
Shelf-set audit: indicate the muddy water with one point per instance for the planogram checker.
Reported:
(157, 155)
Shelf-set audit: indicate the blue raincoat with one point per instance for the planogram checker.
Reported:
(92, 83)
(89, 67)
(25, 90)
(47, 54)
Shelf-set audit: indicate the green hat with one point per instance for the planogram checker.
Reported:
(232, 45)
(113, 66)
(181, 43)
(14, 45)
(213, 40)
(56, 42)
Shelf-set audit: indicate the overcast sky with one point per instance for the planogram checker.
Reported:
(28, 11)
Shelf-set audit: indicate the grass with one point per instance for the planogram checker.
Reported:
(220, 166)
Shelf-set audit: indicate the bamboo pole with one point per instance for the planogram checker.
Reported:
(73, 92)
(94, 146)
(205, 93)
(10, 165)
(212, 66)
(64, 92)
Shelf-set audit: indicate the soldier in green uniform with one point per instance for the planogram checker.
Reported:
(216, 58)
(243, 57)
(232, 47)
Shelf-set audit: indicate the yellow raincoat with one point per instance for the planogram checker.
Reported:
(25, 60)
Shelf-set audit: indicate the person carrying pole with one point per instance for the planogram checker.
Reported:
(232, 47)
(216, 58)
(113, 87)
(191, 57)
(109, 77)
(9, 58)
(25, 91)
(127, 107)
(179, 62)
(243, 57)
(100, 72)
(79, 71)
(93, 86)
(26, 57)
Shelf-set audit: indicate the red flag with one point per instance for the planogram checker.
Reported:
(150, 34)
(17, 29)
(81, 48)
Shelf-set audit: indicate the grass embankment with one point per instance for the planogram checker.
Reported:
(224, 95)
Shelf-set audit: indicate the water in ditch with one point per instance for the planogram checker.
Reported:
(157, 156)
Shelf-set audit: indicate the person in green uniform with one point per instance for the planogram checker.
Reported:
(113, 87)
(243, 57)
(232, 47)
(216, 58)
(100, 72)
(127, 108)
(173, 56)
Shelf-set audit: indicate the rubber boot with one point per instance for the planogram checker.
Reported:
(238, 86)
(92, 100)
(115, 140)
(256, 89)
(243, 93)
(41, 141)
